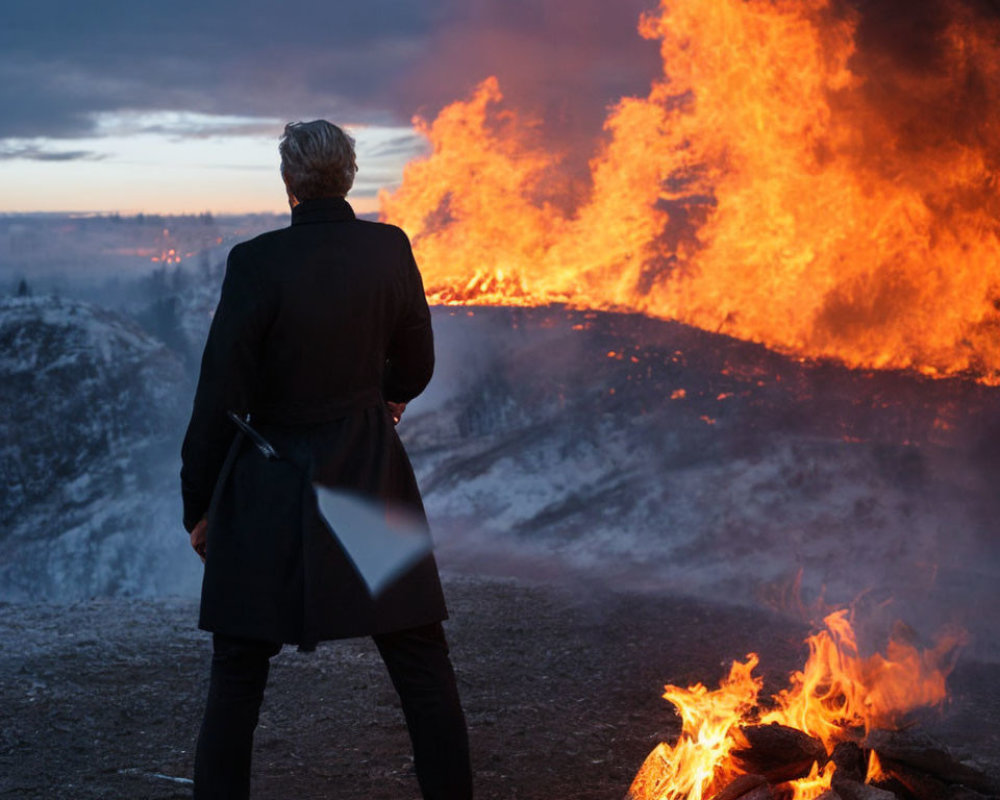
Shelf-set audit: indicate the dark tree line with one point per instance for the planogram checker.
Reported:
(161, 316)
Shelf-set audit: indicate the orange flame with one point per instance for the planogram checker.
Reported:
(758, 189)
(710, 730)
(837, 691)
(875, 771)
(815, 783)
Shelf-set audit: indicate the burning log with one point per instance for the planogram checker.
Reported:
(926, 787)
(746, 787)
(778, 752)
(855, 790)
(922, 758)
(851, 761)
(835, 695)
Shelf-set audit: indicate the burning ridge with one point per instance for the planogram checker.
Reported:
(813, 176)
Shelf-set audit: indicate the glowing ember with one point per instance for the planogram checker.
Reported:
(770, 186)
(836, 694)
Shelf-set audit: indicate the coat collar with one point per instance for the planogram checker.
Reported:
(322, 209)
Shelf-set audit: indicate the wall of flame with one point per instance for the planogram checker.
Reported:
(784, 181)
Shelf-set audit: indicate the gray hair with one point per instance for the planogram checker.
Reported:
(317, 159)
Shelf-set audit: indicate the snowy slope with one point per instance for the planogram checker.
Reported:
(556, 444)
(659, 456)
(90, 407)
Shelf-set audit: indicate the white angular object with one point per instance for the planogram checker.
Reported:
(382, 542)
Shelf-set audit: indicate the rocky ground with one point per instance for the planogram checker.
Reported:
(561, 687)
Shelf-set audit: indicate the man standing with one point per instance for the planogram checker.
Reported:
(321, 335)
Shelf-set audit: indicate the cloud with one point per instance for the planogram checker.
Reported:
(68, 67)
(398, 145)
(187, 124)
(64, 64)
(10, 152)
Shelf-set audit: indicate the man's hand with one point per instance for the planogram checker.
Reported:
(199, 536)
(396, 409)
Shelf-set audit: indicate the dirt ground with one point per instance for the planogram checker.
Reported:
(561, 687)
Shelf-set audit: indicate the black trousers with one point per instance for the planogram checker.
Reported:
(418, 664)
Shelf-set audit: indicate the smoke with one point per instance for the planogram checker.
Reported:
(929, 74)
(563, 63)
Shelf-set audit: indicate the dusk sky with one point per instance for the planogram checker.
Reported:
(118, 105)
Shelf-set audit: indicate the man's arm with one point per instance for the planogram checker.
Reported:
(226, 382)
(410, 358)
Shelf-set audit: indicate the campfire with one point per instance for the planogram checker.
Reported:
(840, 730)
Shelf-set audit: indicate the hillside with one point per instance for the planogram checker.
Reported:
(552, 444)
(90, 406)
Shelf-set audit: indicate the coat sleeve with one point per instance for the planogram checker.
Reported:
(229, 369)
(410, 356)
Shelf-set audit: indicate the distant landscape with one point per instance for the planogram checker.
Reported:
(552, 442)
(93, 252)
(616, 502)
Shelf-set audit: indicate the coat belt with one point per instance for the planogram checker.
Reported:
(313, 413)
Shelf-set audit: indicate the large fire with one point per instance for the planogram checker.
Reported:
(836, 696)
(776, 184)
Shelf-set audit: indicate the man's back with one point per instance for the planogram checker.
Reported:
(317, 320)
(318, 325)
(336, 290)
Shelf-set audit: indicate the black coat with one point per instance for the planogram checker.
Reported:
(318, 325)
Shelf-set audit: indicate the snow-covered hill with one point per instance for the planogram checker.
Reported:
(656, 455)
(556, 444)
(90, 406)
